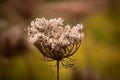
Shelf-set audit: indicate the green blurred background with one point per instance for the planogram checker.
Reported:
(98, 57)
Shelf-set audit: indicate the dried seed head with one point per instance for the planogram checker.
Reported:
(54, 40)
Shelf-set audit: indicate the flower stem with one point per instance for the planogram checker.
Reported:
(57, 69)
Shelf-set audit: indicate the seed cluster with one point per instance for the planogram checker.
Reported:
(53, 39)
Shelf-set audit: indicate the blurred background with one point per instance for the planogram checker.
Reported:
(98, 57)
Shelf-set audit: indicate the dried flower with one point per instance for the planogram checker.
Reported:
(54, 40)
